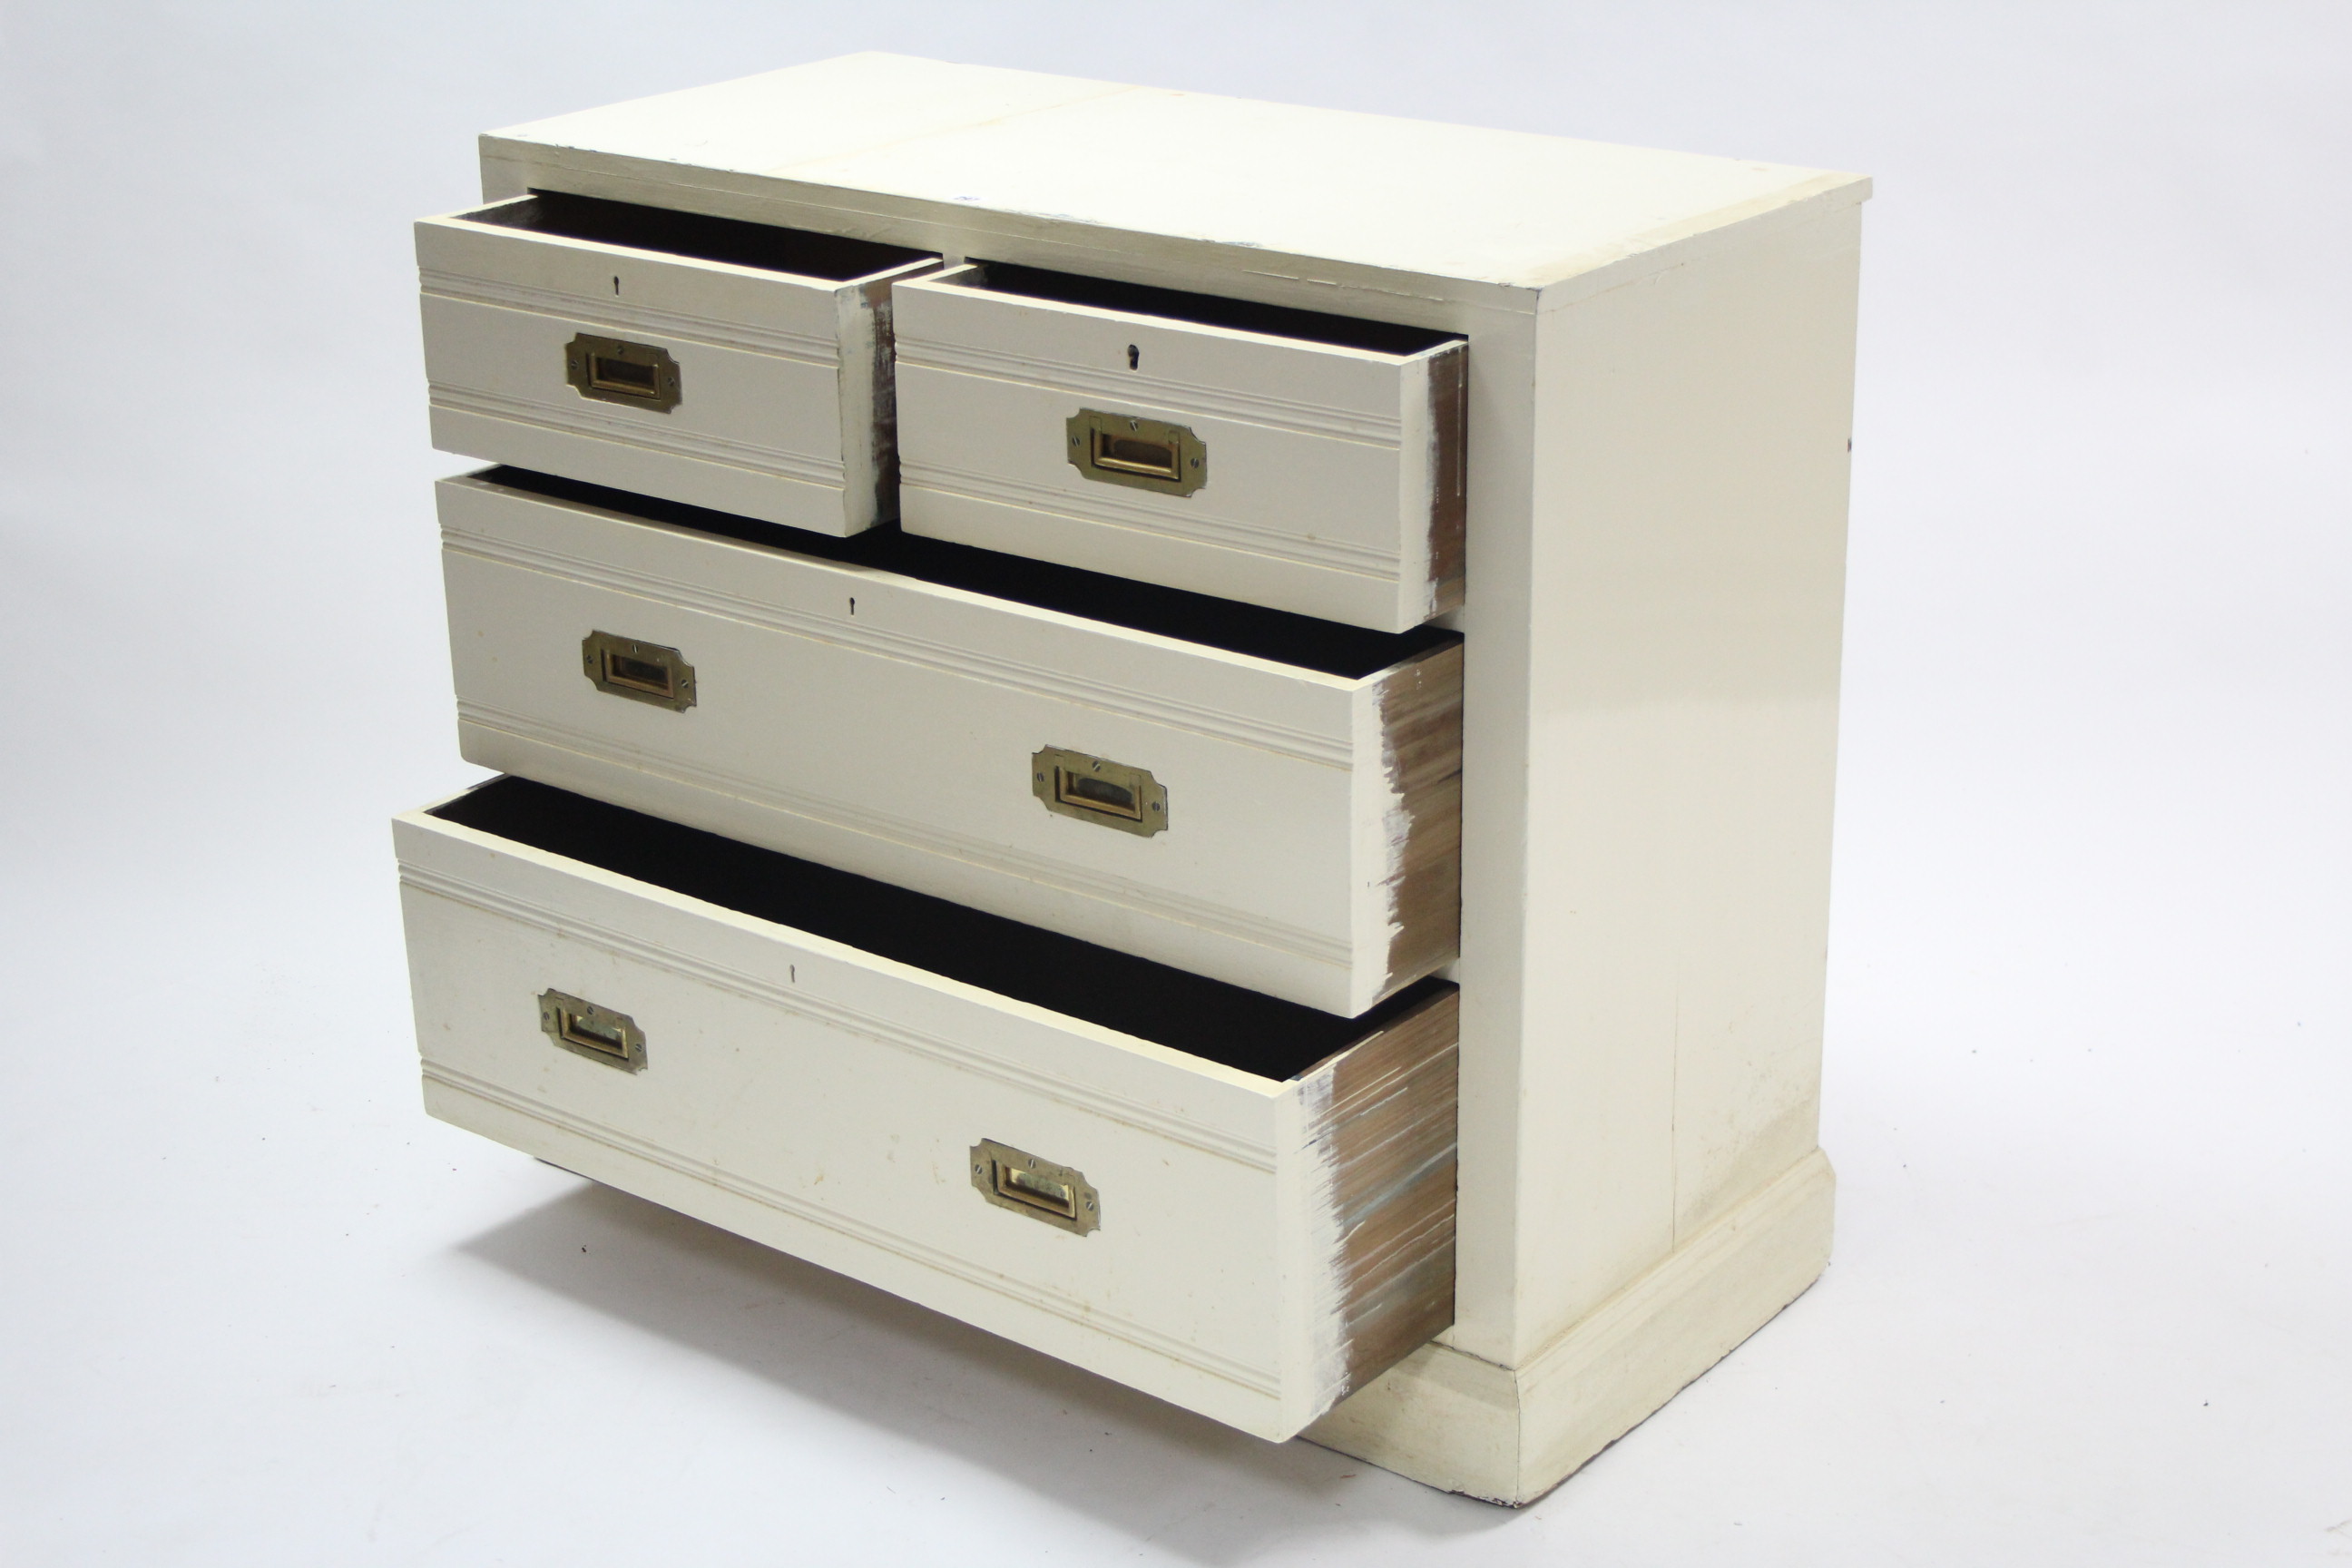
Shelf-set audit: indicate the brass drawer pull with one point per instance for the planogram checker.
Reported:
(1092, 789)
(612, 370)
(641, 671)
(597, 1032)
(1039, 1188)
(1150, 454)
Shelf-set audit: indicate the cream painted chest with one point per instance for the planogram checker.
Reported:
(1229, 778)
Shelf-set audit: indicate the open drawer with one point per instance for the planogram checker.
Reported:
(1237, 1205)
(1262, 799)
(726, 364)
(1307, 462)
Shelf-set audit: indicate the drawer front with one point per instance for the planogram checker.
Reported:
(1279, 829)
(1310, 478)
(1230, 1252)
(782, 384)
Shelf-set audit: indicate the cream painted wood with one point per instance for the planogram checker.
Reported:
(886, 725)
(894, 145)
(785, 415)
(1333, 474)
(1659, 387)
(1510, 1434)
(1691, 467)
(824, 1101)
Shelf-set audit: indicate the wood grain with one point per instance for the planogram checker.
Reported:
(1449, 469)
(1384, 1125)
(1421, 726)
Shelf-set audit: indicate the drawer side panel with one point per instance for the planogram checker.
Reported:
(1419, 708)
(1380, 1121)
(1448, 465)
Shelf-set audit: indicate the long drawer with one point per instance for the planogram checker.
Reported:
(725, 364)
(1307, 462)
(1234, 1203)
(1286, 819)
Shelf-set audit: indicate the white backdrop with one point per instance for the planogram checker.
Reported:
(2090, 1047)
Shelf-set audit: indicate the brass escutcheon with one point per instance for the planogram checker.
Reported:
(1126, 449)
(597, 1032)
(1096, 790)
(1043, 1191)
(641, 671)
(613, 370)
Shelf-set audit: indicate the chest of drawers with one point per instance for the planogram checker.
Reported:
(1226, 776)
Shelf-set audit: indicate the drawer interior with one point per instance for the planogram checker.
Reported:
(1220, 1023)
(1302, 641)
(801, 252)
(1200, 309)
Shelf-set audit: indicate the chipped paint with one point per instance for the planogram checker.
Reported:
(1421, 760)
(1381, 1128)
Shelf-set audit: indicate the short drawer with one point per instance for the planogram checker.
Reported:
(1233, 1204)
(726, 364)
(1267, 801)
(1307, 462)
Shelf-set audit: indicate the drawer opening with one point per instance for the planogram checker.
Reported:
(1278, 635)
(1201, 309)
(801, 252)
(1224, 1023)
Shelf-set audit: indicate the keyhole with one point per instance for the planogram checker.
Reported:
(1134, 356)
(853, 606)
(616, 285)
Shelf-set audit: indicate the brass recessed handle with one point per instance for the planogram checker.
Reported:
(597, 1032)
(1127, 450)
(613, 370)
(1098, 790)
(641, 671)
(1043, 1191)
